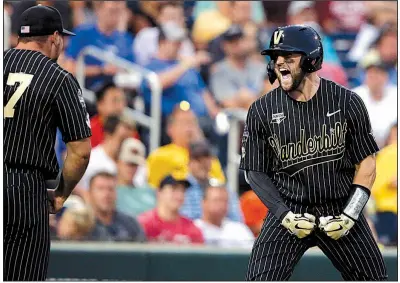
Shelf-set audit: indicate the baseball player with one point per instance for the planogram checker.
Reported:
(39, 96)
(308, 153)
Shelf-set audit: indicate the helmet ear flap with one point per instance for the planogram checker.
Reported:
(304, 64)
(271, 71)
(310, 65)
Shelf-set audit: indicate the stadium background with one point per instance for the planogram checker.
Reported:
(207, 88)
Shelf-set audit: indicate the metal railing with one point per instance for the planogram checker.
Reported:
(236, 117)
(152, 122)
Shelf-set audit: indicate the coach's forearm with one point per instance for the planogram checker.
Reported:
(75, 164)
(366, 172)
(267, 193)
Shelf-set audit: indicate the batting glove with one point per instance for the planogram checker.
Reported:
(336, 226)
(300, 225)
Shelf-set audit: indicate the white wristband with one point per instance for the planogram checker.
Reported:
(357, 201)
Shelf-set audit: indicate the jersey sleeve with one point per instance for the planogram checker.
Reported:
(362, 141)
(70, 111)
(254, 149)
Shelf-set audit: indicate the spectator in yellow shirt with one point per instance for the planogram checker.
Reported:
(384, 191)
(183, 129)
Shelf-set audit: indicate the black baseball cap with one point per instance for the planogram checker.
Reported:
(174, 180)
(41, 20)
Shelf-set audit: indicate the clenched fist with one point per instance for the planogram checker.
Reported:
(300, 225)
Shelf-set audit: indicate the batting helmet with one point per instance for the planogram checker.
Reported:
(295, 39)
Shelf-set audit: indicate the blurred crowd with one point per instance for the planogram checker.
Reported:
(207, 58)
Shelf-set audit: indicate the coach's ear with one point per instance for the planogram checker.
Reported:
(55, 38)
(59, 37)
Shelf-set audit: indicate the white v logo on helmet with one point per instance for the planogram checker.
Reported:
(277, 36)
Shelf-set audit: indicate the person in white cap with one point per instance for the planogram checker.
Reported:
(131, 199)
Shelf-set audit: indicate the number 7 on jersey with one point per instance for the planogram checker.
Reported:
(25, 81)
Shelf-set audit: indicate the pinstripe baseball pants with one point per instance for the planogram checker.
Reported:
(276, 252)
(26, 226)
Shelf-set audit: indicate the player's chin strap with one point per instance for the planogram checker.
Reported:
(358, 199)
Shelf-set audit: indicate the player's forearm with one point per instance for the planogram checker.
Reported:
(361, 188)
(366, 173)
(267, 193)
(75, 165)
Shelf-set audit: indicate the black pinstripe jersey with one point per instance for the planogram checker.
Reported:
(308, 149)
(39, 96)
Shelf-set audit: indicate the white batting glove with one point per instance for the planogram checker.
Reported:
(300, 225)
(336, 226)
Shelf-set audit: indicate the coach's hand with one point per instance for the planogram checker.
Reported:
(300, 225)
(336, 226)
(55, 195)
(55, 200)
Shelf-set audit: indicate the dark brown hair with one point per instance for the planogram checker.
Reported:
(103, 174)
(42, 39)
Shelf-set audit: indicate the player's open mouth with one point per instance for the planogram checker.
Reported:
(285, 74)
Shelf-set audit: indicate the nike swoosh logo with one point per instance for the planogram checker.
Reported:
(338, 229)
(333, 113)
(302, 228)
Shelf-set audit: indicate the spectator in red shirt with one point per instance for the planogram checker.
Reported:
(110, 101)
(164, 223)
